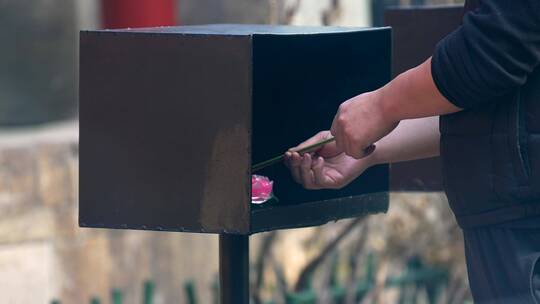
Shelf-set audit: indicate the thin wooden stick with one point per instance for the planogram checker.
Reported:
(277, 159)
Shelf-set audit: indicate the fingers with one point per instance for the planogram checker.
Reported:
(346, 143)
(334, 131)
(294, 160)
(317, 168)
(301, 169)
(302, 166)
(306, 173)
(313, 140)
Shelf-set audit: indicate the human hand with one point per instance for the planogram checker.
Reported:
(360, 122)
(325, 168)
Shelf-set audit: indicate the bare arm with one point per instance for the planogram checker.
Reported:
(330, 168)
(366, 118)
(412, 139)
(399, 118)
(413, 94)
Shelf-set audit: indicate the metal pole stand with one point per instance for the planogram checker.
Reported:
(234, 268)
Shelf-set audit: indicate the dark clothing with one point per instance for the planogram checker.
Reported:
(491, 54)
(490, 151)
(503, 262)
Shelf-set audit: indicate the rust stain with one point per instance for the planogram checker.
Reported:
(227, 159)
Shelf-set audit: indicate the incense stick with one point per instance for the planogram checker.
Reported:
(277, 159)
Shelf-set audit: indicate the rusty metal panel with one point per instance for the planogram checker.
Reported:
(416, 32)
(165, 131)
(172, 119)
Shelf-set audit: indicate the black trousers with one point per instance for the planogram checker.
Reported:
(503, 262)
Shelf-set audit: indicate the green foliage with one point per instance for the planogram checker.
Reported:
(189, 288)
(117, 296)
(95, 300)
(148, 292)
(215, 290)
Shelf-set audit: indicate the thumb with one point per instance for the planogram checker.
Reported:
(311, 141)
(329, 150)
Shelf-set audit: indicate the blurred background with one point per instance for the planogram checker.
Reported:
(412, 254)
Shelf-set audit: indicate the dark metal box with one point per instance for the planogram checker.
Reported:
(171, 120)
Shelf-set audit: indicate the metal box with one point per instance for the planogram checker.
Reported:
(172, 118)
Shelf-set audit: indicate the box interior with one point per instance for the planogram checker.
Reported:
(298, 84)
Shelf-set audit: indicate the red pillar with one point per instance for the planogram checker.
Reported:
(138, 13)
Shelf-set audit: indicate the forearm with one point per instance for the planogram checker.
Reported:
(411, 139)
(368, 118)
(413, 94)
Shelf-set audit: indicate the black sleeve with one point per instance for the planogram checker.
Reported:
(492, 53)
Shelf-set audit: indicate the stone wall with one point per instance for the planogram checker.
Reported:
(45, 255)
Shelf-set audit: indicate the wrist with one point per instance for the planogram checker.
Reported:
(374, 158)
(368, 161)
(388, 104)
